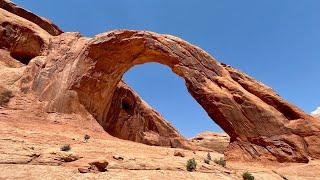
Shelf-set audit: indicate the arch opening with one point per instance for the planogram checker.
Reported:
(163, 90)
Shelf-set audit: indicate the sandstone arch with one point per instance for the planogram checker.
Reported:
(79, 74)
(260, 123)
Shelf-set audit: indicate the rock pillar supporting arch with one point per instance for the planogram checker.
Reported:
(260, 123)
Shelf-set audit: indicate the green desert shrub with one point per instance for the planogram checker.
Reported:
(221, 162)
(209, 156)
(65, 147)
(86, 137)
(5, 96)
(247, 176)
(191, 165)
(206, 161)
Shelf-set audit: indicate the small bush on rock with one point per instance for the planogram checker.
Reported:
(247, 176)
(206, 161)
(191, 165)
(221, 162)
(86, 138)
(5, 96)
(209, 156)
(65, 147)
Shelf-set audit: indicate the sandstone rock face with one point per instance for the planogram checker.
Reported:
(22, 38)
(140, 124)
(40, 21)
(133, 119)
(212, 140)
(74, 74)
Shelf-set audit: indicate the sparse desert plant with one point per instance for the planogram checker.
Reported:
(86, 137)
(206, 161)
(191, 165)
(209, 156)
(221, 162)
(65, 147)
(247, 176)
(5, 96)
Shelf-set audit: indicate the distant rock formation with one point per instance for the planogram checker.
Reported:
(316, 113)
(74, 74)
(212, 140)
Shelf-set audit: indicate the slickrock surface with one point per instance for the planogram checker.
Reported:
(31, 140)
(212, 140)
(66, 86)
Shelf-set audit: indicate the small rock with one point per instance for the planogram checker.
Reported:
(65, 156)
(118, 157)
(94, 167)
(100, 165)
(83, 170)
(179, 153)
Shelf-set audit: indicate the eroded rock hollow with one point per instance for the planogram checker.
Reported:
(75, 74)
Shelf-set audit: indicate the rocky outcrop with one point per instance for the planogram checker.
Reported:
(212, 140)
(75, 74)
(22, 38)
(140, 124)
(40, 21)
(133, 119)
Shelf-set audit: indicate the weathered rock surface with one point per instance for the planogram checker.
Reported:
(74, 74)
(133, 119)
(40, 21)
(212, 140)
(261, 124)
(141, 123)
(30, 149)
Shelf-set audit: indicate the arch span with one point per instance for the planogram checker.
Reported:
(261, 124)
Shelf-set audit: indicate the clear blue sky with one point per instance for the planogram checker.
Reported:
(275, 41)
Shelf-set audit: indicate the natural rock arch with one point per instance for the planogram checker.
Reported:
(79, 74)
(261, 124)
